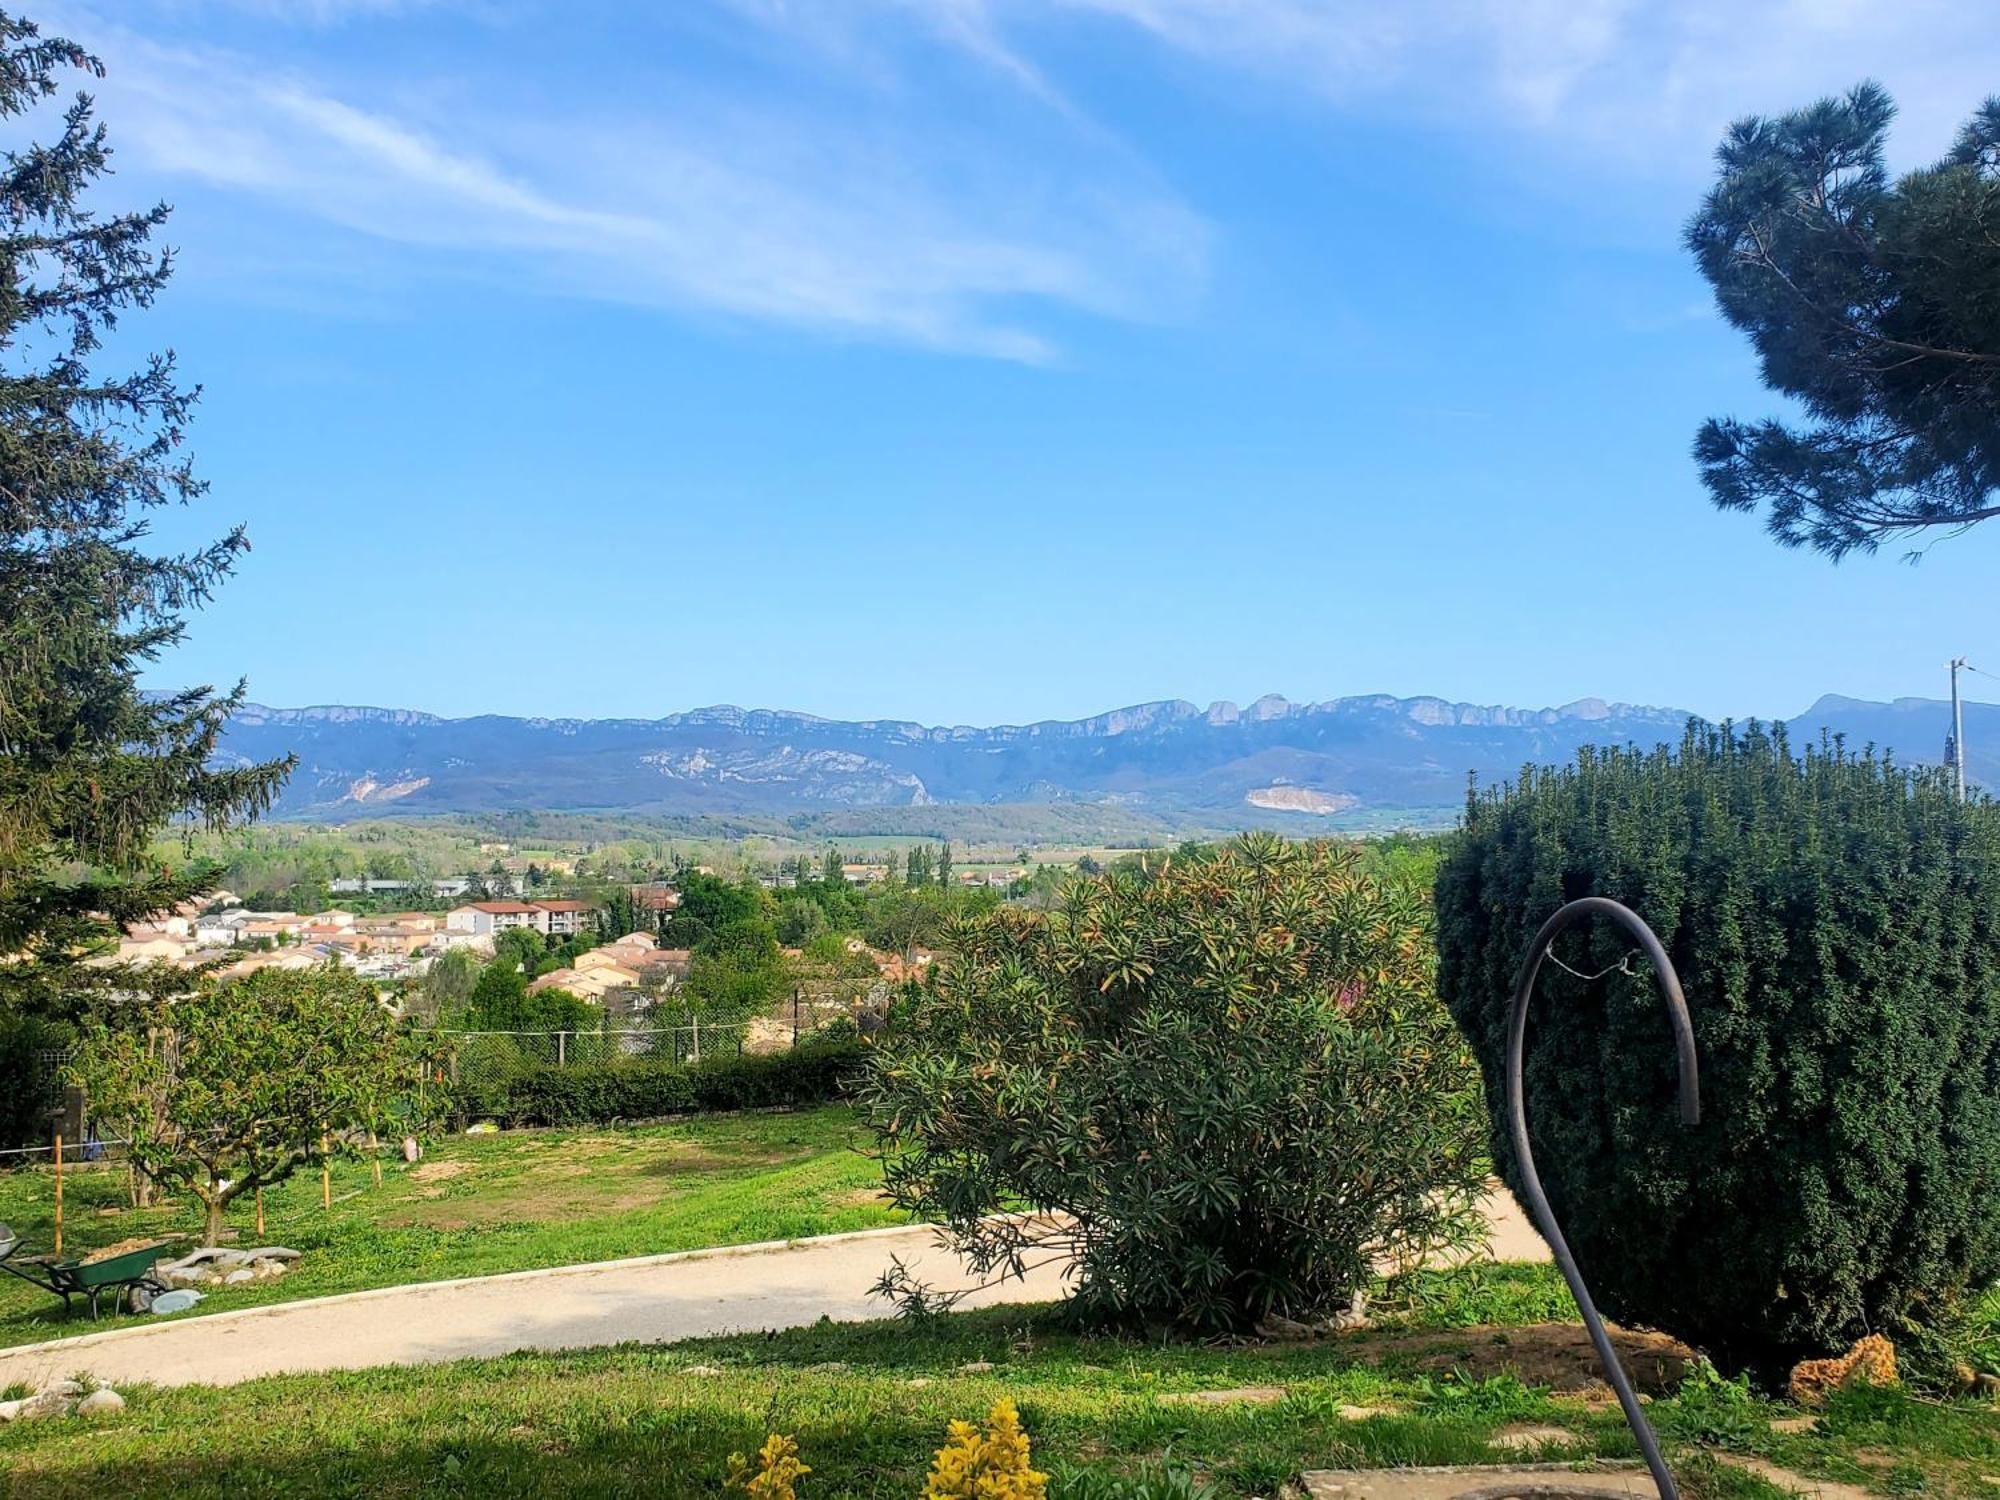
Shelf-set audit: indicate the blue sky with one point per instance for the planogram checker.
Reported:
(990, 360)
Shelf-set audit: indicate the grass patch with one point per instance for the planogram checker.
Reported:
(482, 1204)
(869, 1404)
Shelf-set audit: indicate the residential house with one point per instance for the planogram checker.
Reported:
(486, 918)
(219, 929)
(146, 944)
(563, 919)
(277, 927)
(655, 899)
(591, 984)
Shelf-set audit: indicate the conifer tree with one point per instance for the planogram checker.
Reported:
(92, 767)
(944, 863)
(1871, 303)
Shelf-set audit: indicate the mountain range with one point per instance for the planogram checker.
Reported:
(1342, 763)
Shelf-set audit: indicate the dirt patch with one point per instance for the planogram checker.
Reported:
(687, 1157)
(861, 1198)
(108, 1252)
(1249, 1395)
(439, 1171)
(1557, 1355)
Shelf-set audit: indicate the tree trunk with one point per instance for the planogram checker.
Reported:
(211, 1234)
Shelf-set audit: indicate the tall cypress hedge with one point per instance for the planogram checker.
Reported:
(1835, 920)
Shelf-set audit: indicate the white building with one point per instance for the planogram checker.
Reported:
(485, 918)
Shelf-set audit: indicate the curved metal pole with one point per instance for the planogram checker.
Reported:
(1538, 1203)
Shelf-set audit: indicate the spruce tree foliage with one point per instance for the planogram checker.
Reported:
(91, 768)
(1835, 921)
(1875, 304)
(1225, 1087)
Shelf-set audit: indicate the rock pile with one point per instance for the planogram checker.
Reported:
(63, 1398)
(216, 1266)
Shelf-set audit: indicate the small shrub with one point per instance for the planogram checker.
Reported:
(1835, 921)
(1225, 1086)
(1713, 1409)
(989, 1465)
(777, 1473)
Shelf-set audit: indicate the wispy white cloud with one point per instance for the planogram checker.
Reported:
(710, 203)
(930, 172)
(1646, 83)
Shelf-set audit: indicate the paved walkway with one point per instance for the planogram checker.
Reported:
(655, 1299)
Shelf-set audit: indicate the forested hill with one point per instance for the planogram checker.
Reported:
(1337, 763)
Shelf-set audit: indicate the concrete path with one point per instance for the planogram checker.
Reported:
(654, 1299)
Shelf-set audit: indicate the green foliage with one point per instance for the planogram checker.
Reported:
(26, 1091)
(738, 971)
(501, 1001)
(1835, 921)
(92, 766)
(904, 917)
(1870, 303)
(1712, 1409)
(1149, 1482)
(641, 1090)
(1231, 1083)
(447, 986)
(799, 922)
(709, 904)
(235, 1087)
(521, 948)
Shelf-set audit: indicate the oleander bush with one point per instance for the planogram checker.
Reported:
(579, 1094)
(1835, 920)
(1225, 1085)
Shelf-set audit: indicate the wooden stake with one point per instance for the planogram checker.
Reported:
(375, 1157)
(58, 1159)
(325, 1175)
(260, 1215)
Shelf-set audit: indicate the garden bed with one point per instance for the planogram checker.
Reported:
(869, 1404)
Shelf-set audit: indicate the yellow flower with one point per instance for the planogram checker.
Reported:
(778, 1470)
(992, 1465)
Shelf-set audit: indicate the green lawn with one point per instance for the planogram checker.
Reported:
(480, 1204)
(869, 1403)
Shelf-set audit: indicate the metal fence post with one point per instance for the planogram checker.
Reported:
(562, 1048)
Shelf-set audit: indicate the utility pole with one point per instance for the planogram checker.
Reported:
(1958, 664)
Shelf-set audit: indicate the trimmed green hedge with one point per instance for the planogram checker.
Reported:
(599, 1092)
(1835, 920)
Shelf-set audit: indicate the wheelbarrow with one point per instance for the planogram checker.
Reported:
(120, 1275)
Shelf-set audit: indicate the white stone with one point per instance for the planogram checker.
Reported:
(239, 1278)
(100, 1403)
